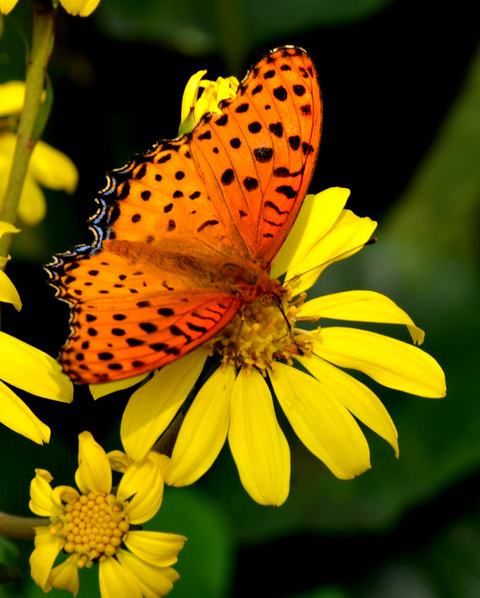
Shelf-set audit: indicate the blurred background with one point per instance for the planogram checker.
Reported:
(401, 86)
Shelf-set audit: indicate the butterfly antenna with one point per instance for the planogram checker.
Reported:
(289, 326)
(332, 260)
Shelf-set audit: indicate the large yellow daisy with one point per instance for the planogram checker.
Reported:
(264, 349)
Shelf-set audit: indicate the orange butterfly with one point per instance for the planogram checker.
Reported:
(185, 233)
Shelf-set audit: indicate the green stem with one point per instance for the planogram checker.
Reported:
(42, 43)
(12, 526)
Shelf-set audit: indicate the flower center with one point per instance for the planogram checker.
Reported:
(93, 526)
(262, 333)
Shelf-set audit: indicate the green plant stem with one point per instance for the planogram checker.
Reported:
(42, 43)
(12, 526)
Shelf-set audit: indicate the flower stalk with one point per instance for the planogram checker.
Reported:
(28, 130)
(21, 528)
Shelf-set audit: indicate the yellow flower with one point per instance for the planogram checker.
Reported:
(26, 368)
(321, 401)
(82, 8)
(213, 92)
(97, 524)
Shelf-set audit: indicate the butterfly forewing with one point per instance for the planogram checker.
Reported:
(258, 157)
(185, 233)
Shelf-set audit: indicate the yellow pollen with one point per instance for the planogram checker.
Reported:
(93, 527)
(262, 333)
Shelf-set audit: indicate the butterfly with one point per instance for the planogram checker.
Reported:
(185, 233)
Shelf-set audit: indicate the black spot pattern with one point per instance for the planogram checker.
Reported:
(263, 154)
(222, 121)
(276, 129)
(294, 142)
(250, 183)
(280, 93)
(227, 177)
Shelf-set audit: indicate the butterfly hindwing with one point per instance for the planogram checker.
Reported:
(132, 322)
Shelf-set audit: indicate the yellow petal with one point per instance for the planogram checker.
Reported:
(355, 396)
(94, 472)
(153, 406)
(154, 581)
(12, 93)
(62, 494)
(117, 581)
(119, 461)
(8, 292)
(18, 417)
(6, 227)
(47, 548)
(156, 548)
(8, 141)
(390, 362)
(189, 99)
(107, 388)
(6, 6)
(144, 482)
(203, 431)
(317, 216)
(321, 422)
(41, 502)
(347, 236)
(214, 92)
(32, 370)
(52, 168)
(258, 445)
(65, 576)
(361, 306)
(32, 206)
(81, 8)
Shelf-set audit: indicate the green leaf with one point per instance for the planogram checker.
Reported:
(232, 28)
(205, 564)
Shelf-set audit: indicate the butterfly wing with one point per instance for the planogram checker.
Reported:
(152, 286)
(126, 321)
(257, 159)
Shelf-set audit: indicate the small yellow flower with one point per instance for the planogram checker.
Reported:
(322, 402)
(98, 524)
(213, 92)
(82, 8)
(26, 368)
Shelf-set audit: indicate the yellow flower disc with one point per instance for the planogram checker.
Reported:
(93, 526)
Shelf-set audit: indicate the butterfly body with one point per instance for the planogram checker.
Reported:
(185, 234)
